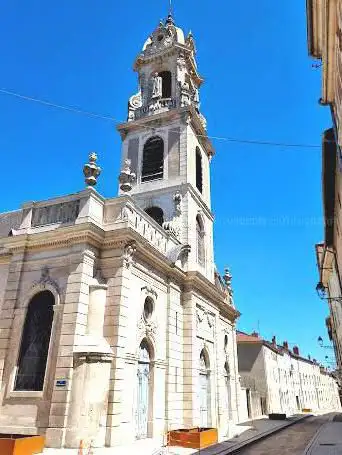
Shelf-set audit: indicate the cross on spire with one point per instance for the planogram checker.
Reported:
(169, 19)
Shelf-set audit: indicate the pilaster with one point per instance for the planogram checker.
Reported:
(7, 310)
(74, 323)
(191, 409)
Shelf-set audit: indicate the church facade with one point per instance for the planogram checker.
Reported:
(114, 322)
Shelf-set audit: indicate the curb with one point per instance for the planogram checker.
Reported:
(235, 449)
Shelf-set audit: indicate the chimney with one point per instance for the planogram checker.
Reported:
(286, 345)
(296, 350)
(274, 341)
(255, 334)
(309, 357)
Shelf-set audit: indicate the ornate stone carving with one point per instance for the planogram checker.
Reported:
(171, 227)
(157, 86)
(91, 170)
(190, 42)
(66, 212)
(199, 315)
(45, 278)
(134, 103)
(128, 254)
(150, 292)
(162, 38)
(177, 199)
(203, 121)
(185, 94)
(126, 177)
(174, 226)
(178, 252)
(127, 213)
(149, 327)
(181, 62)
(205, 321)
(210, 319)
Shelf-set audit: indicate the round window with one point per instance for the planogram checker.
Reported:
(148, 308)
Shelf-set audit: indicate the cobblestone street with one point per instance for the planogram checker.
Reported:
(291, 441)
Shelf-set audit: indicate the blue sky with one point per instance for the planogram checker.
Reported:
(260, 85)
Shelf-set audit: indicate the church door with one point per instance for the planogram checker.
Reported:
(204, 385)
(143, 375)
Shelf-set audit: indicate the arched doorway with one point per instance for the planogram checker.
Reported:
(205, 401)
(143, 391)
(35, 342)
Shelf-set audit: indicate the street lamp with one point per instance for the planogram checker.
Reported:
(320, 342)
(322, 293)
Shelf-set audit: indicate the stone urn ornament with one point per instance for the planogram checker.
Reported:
(91, 170)
(126, 177)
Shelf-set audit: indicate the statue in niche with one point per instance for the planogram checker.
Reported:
(157, 87)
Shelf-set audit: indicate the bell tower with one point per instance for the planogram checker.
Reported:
(166, 152)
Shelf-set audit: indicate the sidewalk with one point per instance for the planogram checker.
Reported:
(328, 440)
(246, 432)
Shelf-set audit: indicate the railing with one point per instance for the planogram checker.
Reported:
(155, 106)
(88, 206)
(122, 210)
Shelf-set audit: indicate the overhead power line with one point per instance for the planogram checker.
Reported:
(87, 113)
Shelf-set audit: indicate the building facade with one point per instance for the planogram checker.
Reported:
(114, 323)
(325, 43)
(279, 380)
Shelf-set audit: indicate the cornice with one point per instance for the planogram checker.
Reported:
(195, 280)
(67, 198)
(59, 238)
(200, 201)
(329, 51)
(187, 114)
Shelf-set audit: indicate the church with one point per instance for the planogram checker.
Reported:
(115, 325)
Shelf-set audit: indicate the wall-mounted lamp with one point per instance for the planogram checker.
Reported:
(322, 293)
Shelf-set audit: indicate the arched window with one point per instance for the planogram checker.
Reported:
(156, 213)
(153, 159)
(200, 241)
(166, 84)
(199, 176)
(35, 343)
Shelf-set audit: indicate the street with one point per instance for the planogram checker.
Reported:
(291, 441)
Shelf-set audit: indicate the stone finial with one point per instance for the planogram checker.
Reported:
(126, 177)
(91, 170)
(227, 278)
